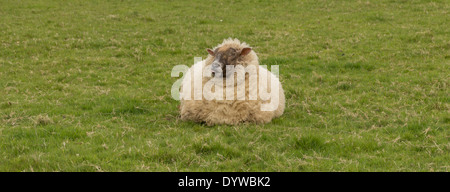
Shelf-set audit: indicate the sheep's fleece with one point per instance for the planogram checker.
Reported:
(231, 112)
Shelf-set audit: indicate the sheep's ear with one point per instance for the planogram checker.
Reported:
(246, 51)
(211, 52)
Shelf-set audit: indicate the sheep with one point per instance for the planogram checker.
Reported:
(217, 81)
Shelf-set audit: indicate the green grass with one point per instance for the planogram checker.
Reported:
(85, 85)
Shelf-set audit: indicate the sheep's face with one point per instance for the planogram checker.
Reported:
(226, 56)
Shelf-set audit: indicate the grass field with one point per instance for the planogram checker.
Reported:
(85, 85)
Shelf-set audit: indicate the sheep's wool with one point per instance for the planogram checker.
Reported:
(226, 111)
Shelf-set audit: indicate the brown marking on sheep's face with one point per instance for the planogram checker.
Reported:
(226, 56)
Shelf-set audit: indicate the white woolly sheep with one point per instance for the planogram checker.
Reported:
(198, 106)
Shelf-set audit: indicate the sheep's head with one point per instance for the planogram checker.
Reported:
(226, 56)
